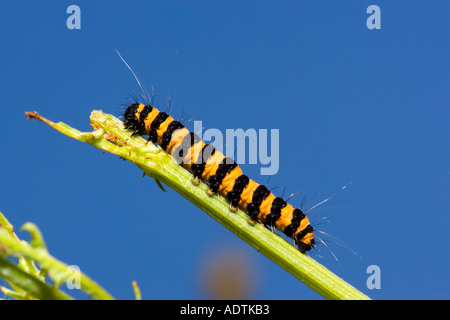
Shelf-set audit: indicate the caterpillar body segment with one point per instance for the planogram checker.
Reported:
(221, 173)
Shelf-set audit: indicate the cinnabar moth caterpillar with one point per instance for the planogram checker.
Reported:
(221, 173)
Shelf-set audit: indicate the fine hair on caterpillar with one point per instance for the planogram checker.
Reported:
(320, 240)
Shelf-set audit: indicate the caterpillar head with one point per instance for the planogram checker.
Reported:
(305, 238)
(130, 120)
(306, 244)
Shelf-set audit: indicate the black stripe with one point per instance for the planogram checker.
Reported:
(129, 117)
(199, 166)
(258, 197)
(234, 196)
(152, 136)
(304, 232)
(143, 115)
(298, 216)
(160, 118)
(167, 136)
(225, 166)
(260, 194)
(275, 210)
(303, 247)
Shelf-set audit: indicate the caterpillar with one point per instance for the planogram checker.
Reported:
(221, 173)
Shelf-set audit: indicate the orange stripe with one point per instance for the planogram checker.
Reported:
(163, 128)
(264, 208)
(211, 165)
(177, 138)
(229, 180)
(247, 194)
(139, 110)
(285, 219)
(193, 154)
(149, 119)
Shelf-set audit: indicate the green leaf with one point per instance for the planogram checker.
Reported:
(160, 185)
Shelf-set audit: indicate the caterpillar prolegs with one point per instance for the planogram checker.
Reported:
(221, 173)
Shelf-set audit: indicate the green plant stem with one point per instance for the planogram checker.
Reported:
(25, 264)
(28, 283)
(109, 135)
(137, 291)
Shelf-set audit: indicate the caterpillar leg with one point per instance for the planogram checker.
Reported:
(253, 211)
(233, 208)
(196, 180)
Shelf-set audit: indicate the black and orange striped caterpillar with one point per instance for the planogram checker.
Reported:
(221, 173)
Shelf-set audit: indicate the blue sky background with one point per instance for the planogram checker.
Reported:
(351, 104)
